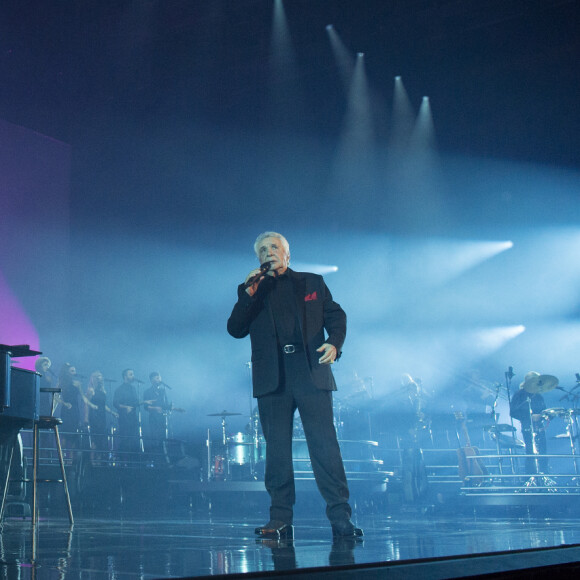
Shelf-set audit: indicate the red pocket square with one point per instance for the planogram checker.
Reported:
(310, 297)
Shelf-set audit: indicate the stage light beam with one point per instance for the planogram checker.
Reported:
(343, 57)
(321, 269)
(423, 136)
(284, 90)
(489, 340)
(402, 117)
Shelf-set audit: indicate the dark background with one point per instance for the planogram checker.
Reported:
(142, 90)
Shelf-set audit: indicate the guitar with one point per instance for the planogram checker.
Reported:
(469, 462)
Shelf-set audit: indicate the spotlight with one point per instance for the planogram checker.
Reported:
(398, 78)
(321, 269)
(329, 27)
(360, 54)
(425, 99)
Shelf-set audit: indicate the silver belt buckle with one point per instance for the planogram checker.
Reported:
(289, 348)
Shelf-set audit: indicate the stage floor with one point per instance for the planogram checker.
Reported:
(182, 547)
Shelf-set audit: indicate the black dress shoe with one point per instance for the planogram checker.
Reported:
(276, 530)
(346, 530)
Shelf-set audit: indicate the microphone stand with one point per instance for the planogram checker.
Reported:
(139, 400)
(494, 415)
(509, 375)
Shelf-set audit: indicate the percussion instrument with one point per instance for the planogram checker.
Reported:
(557, 412)
(240, 448)
(540, 384)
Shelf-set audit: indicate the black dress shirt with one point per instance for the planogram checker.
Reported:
(284, 310)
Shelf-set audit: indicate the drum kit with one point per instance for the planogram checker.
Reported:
(533, 385)
(570, 419)
(238, 455)
(241, 456)
(544, 383)
(504, 434)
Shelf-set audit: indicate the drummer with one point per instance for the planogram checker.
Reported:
(527, 406)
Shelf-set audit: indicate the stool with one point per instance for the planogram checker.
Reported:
(47, 423)
(15, 500)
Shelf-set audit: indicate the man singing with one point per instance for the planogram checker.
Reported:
(286, 314)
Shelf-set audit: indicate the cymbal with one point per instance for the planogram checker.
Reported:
(554, 412)
(501, 428)
(222, 414)
(540, 384)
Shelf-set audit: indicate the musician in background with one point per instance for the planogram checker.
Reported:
(72, 400)
(414, 392)
(126, 401)
(417, 424)
(527, 407)
(97, 414)
(415, 436)
(157, 407)
(47, 380)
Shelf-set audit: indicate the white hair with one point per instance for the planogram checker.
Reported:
(265, 235)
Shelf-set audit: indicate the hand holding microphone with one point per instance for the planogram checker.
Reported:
(255, 277)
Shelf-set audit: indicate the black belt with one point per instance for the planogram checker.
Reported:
(292, 348)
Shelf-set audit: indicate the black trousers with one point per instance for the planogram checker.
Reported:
(277, 410)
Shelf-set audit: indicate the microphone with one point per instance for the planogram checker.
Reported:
(166, 385)
(263, 269)
(578, 377)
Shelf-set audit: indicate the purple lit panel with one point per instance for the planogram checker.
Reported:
(15, 326)
(34, 232)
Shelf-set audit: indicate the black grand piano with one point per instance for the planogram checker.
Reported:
(19, 407)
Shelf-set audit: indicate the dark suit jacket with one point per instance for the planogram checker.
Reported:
(317, 312)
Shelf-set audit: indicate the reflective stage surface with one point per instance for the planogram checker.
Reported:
(201, 546)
